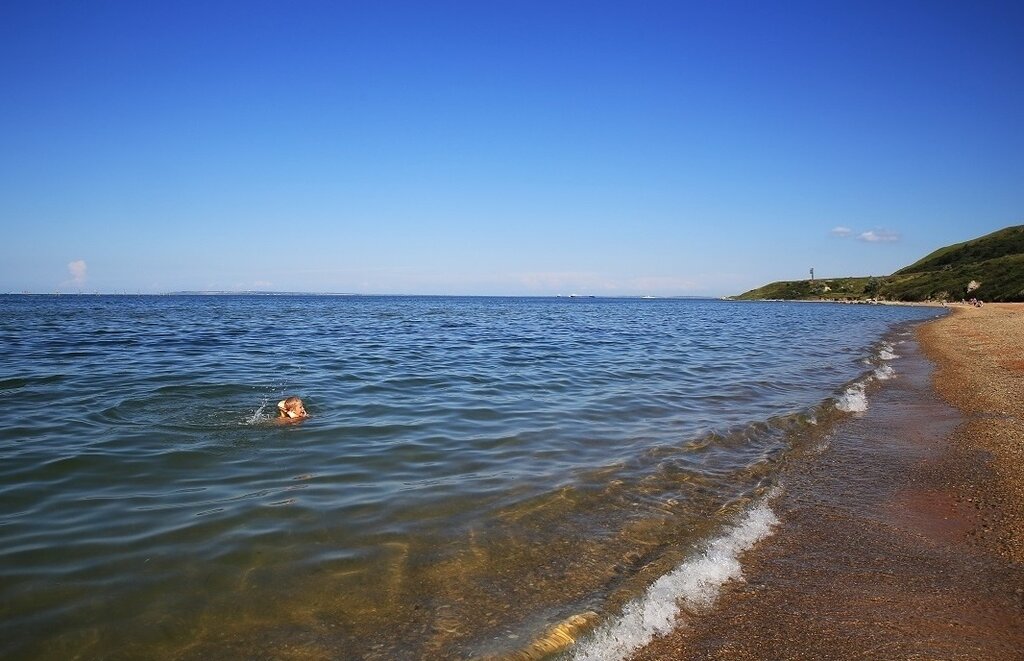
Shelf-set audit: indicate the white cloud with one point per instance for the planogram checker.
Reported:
(77, 269)
(879, 236)
(841, 231)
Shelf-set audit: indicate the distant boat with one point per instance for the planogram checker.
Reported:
(648, 297)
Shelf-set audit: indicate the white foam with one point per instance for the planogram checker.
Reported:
(886, 352)
(854, 400)
(884, 373)
(693, 584)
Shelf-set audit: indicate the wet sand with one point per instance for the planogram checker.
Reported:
(902, 537)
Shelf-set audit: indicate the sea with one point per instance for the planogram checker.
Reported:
(503, 478)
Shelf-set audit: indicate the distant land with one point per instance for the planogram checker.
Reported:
(989, 268)
(206, 292)
(182, 293)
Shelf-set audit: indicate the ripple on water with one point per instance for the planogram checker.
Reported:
(473, 469)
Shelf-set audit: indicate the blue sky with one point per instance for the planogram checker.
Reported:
(663, 148)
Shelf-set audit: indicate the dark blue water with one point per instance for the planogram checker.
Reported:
(473, 468)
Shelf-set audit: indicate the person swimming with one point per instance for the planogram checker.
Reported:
(291, 408)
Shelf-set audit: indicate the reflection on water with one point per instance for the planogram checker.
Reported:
(474, 471)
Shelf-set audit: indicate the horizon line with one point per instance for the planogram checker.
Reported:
(225, 292)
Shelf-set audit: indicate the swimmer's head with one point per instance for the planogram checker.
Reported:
(291, 408)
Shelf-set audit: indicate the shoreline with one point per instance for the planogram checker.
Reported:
(918, 304)
(906, 537)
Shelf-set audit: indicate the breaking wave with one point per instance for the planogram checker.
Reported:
(694, 585)
(887, 353)
(884, 372)
(854, 399)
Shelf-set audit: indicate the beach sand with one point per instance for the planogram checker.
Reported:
(903, 538)
(980, 357)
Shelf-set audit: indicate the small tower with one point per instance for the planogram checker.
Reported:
(812, 274)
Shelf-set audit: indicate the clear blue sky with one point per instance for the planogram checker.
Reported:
(500, 147)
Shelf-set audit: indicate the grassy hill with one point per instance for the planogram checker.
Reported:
(1004, 243)
(829, 289)
(990, 267)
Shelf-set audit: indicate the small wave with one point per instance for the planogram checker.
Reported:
(884, 373)
(694, 584)
(887, 352)
(854, 400)
(14, 384)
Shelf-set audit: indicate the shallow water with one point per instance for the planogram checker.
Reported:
(876, 555)
(474, 469)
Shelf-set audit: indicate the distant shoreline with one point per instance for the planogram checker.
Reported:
(182, 293)
(933, 304)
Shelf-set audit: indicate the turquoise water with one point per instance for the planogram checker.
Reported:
(473, 470)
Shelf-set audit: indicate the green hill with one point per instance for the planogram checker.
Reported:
(1005, 242)
(990, 268)
(828, 289)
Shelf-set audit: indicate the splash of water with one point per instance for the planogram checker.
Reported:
(258, 416)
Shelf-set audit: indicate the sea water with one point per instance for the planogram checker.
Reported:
(474, 471)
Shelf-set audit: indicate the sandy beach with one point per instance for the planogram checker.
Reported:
(979, 354)
(905, 537)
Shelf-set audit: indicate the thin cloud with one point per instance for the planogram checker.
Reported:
(662, 284)
(878, 236)
(78, 270)
(567, 282)
(841, 231)
(607, 285)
